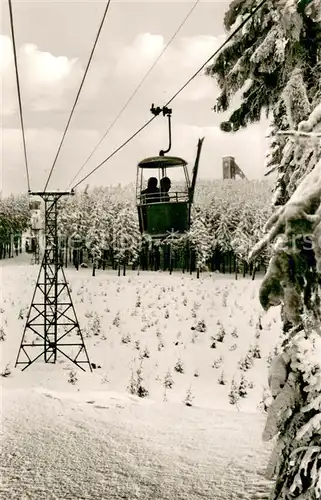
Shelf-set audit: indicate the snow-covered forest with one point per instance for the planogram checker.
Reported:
(227, 220)
(228, 217)
(14, 219)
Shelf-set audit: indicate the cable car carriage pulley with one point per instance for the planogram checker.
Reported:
(162, 211)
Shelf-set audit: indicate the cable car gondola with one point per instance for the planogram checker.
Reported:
(162, 211)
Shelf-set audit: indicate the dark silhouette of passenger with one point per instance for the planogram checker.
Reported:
(165, 185)
(151, 193)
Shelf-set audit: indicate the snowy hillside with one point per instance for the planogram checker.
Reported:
(75, 435)
(114, 447)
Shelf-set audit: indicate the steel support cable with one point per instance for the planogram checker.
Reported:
(135, 91)
(116, 151)
(229, 38)
(19, 93)
(78, 94)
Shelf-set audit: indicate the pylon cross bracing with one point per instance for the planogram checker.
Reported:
(52, 326)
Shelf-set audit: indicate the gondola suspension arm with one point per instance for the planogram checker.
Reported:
(166, 112)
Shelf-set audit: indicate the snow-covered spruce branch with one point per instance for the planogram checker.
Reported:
(295, 415)
(299, 133)
(296, 212)
(312, 122)
(295, 376)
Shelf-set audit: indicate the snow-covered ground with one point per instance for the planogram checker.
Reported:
(93, 439)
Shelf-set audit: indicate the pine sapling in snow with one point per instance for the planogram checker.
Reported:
(126, 338)
(168, 380)
(116, 320)
(72, 379)
(255, 351)
(145, 353)
(137, 345)
(221, 379)
(188, 400)
(179, 366)
(221, 334)
(160, 344)
(242, 388)
(233, 394)
(138, 301)
(246, 363)
(257, 334)
(259, 324)
(96, 325)
(213, 342)
(234, 333)
(7, 371)
(142, 392)
(136, 383)
(2, 334)
(200, 327)
(21, 314)
(217, 363)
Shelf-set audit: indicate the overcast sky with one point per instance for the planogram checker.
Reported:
(54, 40)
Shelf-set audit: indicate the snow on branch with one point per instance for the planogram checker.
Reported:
(300, 207)
(299, 133)
(313, 121)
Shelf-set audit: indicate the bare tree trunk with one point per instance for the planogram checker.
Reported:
(190, 261)
(11, 246)
(230, 262)
(66, 253)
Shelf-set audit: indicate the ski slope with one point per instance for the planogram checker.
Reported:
(92, 439)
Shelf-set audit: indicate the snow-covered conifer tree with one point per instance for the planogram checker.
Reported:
(276, 60)
(126, 236)
(95, 237)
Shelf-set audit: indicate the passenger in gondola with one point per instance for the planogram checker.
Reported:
(165, 185)
(151, 193)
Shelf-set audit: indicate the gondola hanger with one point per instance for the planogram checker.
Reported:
(166, 112)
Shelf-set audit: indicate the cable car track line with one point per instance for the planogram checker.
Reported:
(19, 93)
(115, 151)
(229, 38)
(135, 91)
(79, 91)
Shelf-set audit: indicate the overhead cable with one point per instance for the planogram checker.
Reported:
(78, 94)
(19, 93)
(135, 91)
(228, 39)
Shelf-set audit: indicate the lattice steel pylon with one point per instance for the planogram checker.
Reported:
(52, 326)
